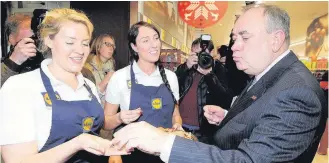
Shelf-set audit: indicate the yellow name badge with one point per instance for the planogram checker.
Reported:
(87, 124)
(47, 99)
(157, 103)
(129, 83)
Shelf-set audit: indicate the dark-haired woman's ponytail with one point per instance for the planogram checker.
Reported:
(165, 80)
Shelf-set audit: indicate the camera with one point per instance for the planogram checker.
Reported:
(38, 16)
(35, 62)
(205, 60)
(31, 63)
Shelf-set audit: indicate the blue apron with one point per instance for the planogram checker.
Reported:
(158, 105)
(156, 102)
(72, 118)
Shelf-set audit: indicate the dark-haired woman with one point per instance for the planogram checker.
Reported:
(144, 90)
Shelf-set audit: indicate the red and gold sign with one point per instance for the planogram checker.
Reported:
(201, 14)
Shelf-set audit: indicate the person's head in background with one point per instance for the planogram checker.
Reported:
(65, 35)
(17, 27)
(103, 47)
(145, 45)
(196, 48)
(221, 53)
(260, 35)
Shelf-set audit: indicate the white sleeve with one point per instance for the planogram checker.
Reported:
(17, 116)
(173, 81)
(166, 149)
(112, 90)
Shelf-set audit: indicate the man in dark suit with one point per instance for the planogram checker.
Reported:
(279, 117)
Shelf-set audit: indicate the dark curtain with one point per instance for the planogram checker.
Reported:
(109, 17)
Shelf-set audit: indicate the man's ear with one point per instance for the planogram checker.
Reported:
(134, 47)
(11, 40)
(278, 40)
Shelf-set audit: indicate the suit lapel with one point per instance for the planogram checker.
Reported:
(242, 93)
(245, 101)
(260, 87)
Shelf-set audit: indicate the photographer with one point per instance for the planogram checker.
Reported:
(200, 87)
(22, 47)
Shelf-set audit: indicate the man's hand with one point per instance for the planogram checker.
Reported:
(141, 135)
(214, 114)
(192, 60)
(204, 71)
(23, 50)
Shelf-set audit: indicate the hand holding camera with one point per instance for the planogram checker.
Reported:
(23, 50)
(192, 60)
(205, 60)
(202, 61)
(27, 47)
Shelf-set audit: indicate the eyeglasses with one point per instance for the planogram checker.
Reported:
(108, 44)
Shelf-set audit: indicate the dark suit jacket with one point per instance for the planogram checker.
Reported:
(280, 119)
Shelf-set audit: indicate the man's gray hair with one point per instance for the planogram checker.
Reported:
(13, 22)
(276, 19)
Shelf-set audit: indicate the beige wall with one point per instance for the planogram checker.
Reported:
(164, 15)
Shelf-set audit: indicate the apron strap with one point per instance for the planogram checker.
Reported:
(91, 95)
(132, 77)
(51, 92)
(48, 86)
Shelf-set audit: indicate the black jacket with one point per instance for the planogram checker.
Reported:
(212, 89)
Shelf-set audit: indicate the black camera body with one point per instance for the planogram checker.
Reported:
(38, 16)
(205, 60)
(33, 63)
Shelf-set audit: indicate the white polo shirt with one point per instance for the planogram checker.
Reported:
(118, 91)
(24, 116)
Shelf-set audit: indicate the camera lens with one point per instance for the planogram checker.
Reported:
(205, 60)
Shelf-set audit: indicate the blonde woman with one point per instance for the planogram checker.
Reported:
(101, 62)
(53, 114)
